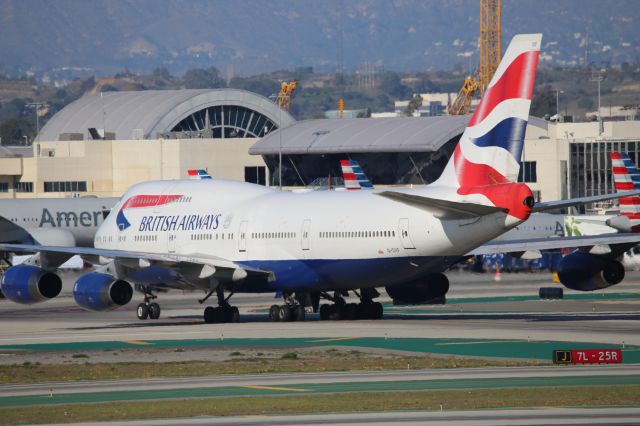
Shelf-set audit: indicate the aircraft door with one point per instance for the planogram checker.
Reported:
(242, 242)
(403, 229)
(306, 225)
(171, 242)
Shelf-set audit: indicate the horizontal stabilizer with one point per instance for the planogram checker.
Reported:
(621, 242)
(442, 209)
(540, 207)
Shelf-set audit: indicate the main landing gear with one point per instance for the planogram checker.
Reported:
(341, 310)
(294, 307)
(148, 309)
(292, 310)
(222, 313)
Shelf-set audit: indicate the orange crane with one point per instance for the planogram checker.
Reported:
(489, 57)
(283, 100)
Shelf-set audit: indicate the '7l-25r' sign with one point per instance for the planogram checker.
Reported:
(587, 356)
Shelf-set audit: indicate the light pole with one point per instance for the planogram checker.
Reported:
(597, 77)
(36, 107)
(558, 91)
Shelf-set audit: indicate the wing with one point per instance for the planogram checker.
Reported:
(199, 265)
(615, 243)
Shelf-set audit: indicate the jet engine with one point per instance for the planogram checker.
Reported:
(434, 287)
(588, 272)
(101, 292)
(29, 284)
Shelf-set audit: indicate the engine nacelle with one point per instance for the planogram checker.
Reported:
(589, 272)
(435, 286)
(101, 292)
(29, 284)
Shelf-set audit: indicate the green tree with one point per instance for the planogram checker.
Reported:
(544, 102)
(414, 104)
(13, 131)
(199, 78)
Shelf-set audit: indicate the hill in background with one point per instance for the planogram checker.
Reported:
(251, 36)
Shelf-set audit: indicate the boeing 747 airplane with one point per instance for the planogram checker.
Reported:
(222, 237)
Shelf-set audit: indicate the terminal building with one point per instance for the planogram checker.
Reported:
(101, 145)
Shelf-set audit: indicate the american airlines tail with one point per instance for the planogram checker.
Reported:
(490, 149)
(354, 177)
(627, 177)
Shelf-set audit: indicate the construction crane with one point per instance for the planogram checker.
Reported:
(489, 57)
(283, 100)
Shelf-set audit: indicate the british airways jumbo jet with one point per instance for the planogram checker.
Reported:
(222, 237)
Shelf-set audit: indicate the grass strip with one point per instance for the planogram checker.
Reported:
(609, 396)
(329, 360)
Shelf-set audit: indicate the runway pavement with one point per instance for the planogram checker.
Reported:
(451, 378)
(477, 307)
(555, 416)
(302, 384)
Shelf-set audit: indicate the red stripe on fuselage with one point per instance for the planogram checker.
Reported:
(620, 170)
(516, 83)
(139, 201)
(616, 156)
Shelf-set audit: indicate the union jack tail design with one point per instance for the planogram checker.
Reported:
(198, 174)
(354, 177)
(490, 149)
(626, 177)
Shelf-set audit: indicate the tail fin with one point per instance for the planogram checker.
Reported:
(490, 149)
(626, 177)
(354, 177)
(198, 174)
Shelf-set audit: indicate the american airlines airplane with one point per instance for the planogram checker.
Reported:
(219, 236)
(53, 221)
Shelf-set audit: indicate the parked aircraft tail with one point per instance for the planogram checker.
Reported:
(198, 174)
(354, 177)
(626, 177)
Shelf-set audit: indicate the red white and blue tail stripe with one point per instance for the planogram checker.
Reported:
(626, 177)
(490, 149)
(198, 174)
(354, 177)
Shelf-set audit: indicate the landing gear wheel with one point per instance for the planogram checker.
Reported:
(336, 312)
(350, 311)
(231, 314)
(209, 314)
(274, 312)
(284, 313)
(142, 311)
(324, 312)
(154, 311)
(378, 311)
(298, 313)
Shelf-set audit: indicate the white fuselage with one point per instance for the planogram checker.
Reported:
(323, 239)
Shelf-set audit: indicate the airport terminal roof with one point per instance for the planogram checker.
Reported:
(327, 136)
(150, 113)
